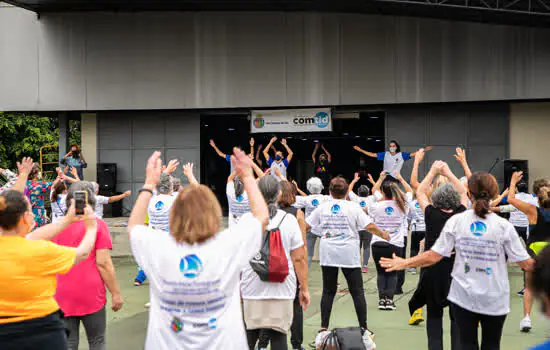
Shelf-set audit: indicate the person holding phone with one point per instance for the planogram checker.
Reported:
(75, 159)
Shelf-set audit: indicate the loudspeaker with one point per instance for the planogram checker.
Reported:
(513, 165)
(106, 176)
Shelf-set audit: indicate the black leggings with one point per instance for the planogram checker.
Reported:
(522, 233)
(297, 326)
(434, 328)
(467, 326)
(416, 238)
(45, 333)
(386, 281)
(265, 335)
(354, 278)
(402, 253)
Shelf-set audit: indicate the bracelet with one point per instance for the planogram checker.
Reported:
(145, 190)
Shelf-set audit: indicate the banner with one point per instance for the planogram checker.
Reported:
(291, 120)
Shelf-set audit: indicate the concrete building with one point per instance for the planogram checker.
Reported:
(171, 80)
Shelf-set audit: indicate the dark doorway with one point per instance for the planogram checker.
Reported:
(365, 130)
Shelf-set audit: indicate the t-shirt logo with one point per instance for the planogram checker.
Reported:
(176, 325)
(478, 228)
(240, 198)
(159, 206)
(466, 268)
(212, 323)
(315, 202)
(191, 266)
(417, 206)
(389, 211)
(363, 204)
(335, 209)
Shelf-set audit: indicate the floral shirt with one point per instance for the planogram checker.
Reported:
(37, 192)
(12, 179)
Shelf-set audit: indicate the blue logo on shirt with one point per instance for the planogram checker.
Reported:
(213, 323)
(322, 120)
(315, 202)
(335, 209)
(488, 271)
(478, 228)
(388, 210)
(417, 206)
(240, 198)
(159, 206)
(363, 204)
(191, 266)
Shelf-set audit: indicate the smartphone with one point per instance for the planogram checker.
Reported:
(80, 201)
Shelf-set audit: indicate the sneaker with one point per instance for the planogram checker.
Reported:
(148, 305)
(365, 269)
(390, 305)
(520, 293)
(525, 324)
(412, 271)
(137, 283)
(416, 318)
(382, 304)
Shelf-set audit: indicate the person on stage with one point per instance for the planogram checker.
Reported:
(393, 158)
(279, 162)
(321, 165)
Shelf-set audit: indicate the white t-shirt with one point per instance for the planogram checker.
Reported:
(59, 207)
(518, 218)
(194, 289)
(365, 202)
(480, 275)
(393, 162)
(418, 223)
(388, 217)
(338, 222)
(282, 165)
(310, 203)
(237, 205)
(100, 201)
(251, 285)
(159, 211)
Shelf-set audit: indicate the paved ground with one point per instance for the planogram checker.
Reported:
(127, 328)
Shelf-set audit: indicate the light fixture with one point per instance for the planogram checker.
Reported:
(369, 138)
(345, 134)
(373, 117)
(378, 141)
(205, 125)
(231, 129)
(316, 141)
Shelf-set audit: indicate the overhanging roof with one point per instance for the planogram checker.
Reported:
(516, 12)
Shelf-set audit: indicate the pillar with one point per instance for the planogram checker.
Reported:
(63, 141)
(89, 144)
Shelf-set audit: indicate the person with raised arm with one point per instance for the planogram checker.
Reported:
(196, 263)
(481, 241)
(188, 172)
(279, 162)
(339, 221)
(237, 198)
(75, 160)
(38, 189)
(393, 158)
(29, 314)
(227, 157)
(539, 233)
(321, 165)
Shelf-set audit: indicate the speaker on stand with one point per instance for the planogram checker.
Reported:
(513, 165)
(107, 180)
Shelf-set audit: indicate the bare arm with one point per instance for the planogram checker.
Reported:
(220, 153)
(370, 154)
(422, 260)
(266, 150)
(378, 184)
(352, 184)
(372, 228)
(152, 178)
(426, 149)
(422, 191)
(119, 197)
(108, 275)
(527, 265)
(289, 151)
(526, 208)
(188, 172)
(257, 170)
(414, 175)
(251, 147)
(499, 199)
(461, 157)
(300, 192)
(314, 154)
(24, 169)
(299, 261)
(258, 159)
(48, 232)
(329, 157)
(446, 171)
(88, 242)
(407, 187)
(231, 177)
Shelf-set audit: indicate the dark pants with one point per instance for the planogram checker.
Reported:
(366, 237)
(402, 253)
(467, 325)
(416, 238)
(94, 324)
(277, 339)
(45, 333)
(386, 281)
(434, 328)
(297, 326)
(354, 279)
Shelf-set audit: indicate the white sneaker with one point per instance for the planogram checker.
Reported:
(525, 324)
(148, 305)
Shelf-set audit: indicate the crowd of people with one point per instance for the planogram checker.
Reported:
(246, 286)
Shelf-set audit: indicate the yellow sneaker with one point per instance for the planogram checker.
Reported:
(416, 318)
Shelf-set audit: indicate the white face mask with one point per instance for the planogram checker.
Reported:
(393, 149)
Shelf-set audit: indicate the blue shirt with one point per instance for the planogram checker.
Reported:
(76, 163)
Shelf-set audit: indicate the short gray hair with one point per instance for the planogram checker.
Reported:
(82, 186)
(446, 197)
(165, 184)
(314, 185)
(270, 191)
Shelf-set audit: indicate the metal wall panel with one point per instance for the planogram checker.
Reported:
(175, 133)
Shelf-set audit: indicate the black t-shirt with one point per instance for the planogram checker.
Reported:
(541, 231)
(435, 221)
(322, 169)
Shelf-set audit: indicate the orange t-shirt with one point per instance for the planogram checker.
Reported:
(28, 281)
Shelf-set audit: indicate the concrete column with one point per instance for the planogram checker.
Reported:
(63, 141)
(89, 144)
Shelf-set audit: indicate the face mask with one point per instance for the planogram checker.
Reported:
(278, 157)
(393, 149)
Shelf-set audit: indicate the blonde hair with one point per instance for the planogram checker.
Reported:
(196, 215)
(438, 181)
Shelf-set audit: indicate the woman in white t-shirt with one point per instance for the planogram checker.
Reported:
(194, 267)
(268, 306)
(310, 203)
(390, 214)
(338, 222)
(58, 195)
(481, 240)
(237, 199)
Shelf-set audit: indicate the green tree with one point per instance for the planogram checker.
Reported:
(22, 135)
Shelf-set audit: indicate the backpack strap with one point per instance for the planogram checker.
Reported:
(280, 222)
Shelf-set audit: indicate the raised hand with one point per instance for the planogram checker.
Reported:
(171, 167)
(252, 142)
(212, 143)
(74, 172)
(188, 169)
(437, 166)
(371, 179)
(356, 177)
(517, 176)
(419, 156)
(460, 155)
(153, 169)
(127, 193)
(294, 183)
(25, 166)
(283, 142)
(357, 148)
(241, 163)
(273, 139)
(445, 170)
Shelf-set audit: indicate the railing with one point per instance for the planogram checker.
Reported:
(45, 159)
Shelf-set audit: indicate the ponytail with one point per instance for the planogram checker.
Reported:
(270, 189)
(481, 208)
(483, 187)
(239, 186)
(391, 190)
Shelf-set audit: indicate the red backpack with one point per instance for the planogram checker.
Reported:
(271, 263)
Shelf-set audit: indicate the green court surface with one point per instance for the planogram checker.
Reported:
(127, 328)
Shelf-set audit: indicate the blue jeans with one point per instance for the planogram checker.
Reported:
(141, 277)
(310, 241)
